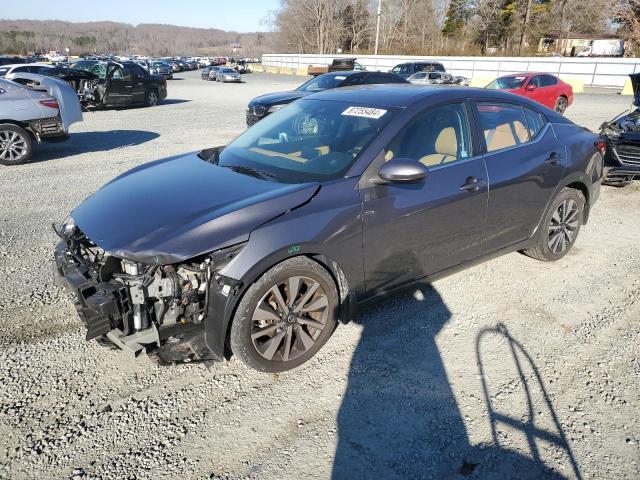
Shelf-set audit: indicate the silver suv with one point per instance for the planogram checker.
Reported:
(34, 108)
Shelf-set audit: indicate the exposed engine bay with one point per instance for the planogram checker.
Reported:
(134, 306)
(92, 92)
(624, 123)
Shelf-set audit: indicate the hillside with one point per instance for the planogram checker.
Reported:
(23, 36)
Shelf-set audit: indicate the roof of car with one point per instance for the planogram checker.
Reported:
(526, 74)
(404, 95)
(27, 65)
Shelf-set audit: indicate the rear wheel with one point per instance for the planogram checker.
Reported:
(152, 99)
(561, 104)
(560, 226)
(286, 316)
(16, 145)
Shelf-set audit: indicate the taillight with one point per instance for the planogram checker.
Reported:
(51, 103)
(601, 145)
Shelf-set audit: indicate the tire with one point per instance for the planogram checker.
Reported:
(289, 337)
(16, 144)
(152, 99)
(560, 228)
(561, 104)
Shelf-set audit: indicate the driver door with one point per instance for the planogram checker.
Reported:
(416, 229)
(119, 92)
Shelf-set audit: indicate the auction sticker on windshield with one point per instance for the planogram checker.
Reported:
(366, 112)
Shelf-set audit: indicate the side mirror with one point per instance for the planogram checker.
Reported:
(530, 88)
(403, 170)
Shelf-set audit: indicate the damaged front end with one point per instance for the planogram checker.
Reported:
(139, 307)
(93, 92)
(622, 136)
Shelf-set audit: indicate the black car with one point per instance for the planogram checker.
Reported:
(5, 60)
(405, 70)
(122, 84)
(622, 134)
(334, 201)
(263, 105)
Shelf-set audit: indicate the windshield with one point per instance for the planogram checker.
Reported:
(309, 140)
(322, 82)
(99, 69)
(507, 83)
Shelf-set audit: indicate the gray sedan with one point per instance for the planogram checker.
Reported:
(226, 74)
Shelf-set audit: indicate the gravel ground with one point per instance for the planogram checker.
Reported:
(512, 369)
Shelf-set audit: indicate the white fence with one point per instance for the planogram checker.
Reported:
(600, 72)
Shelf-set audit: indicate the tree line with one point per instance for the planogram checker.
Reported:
(441, 27)
(33, 36)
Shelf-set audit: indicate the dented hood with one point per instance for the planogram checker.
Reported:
(171, 210)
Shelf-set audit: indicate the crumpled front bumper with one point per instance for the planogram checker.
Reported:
(100, 305)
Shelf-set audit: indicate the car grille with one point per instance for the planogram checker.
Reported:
(258, 110)
(627, 154)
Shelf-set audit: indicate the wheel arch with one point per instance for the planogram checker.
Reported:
(220, 314)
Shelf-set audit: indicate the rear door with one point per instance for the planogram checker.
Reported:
(525, 162)
(413, 230)
(136, 79)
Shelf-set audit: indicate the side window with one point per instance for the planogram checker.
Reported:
(378, 78)
(355, 80)
(535, 81)
(405, 68)
(126, 74)
(503, 125)
(117, 74)
(535, 122)
(397, 69)
(434, 76)
(439, 67)
(434, 138)
(420, 76)
(548, 81)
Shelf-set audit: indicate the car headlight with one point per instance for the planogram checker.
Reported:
(68, 227)
(275, 108)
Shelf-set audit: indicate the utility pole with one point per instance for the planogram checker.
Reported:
(375, 52)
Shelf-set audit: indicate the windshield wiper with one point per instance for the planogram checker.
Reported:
(251, 171)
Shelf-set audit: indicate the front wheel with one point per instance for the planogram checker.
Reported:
(285, 317)
(560, 226)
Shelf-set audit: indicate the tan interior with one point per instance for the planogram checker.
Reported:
(506, 135)
(446, 148)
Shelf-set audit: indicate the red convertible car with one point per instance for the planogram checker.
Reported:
(543, 88)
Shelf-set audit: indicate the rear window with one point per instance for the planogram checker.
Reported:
(548, 81)
(535, 122)
(503, 125)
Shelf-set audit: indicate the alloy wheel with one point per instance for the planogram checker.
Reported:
(289, 318)
(564, 223)
(561, 105)
(153, 99)
(13, 146)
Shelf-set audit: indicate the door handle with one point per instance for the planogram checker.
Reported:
(472, 184)
(554, 158)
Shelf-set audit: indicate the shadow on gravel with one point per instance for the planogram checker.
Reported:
(88, 142)
(399, 417)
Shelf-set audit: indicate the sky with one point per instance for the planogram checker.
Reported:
(237, 15)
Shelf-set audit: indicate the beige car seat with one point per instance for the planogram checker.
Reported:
(446, 148)
(506, 135)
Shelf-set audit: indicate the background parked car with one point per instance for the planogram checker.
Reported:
(544, 88)
(263, 105)
(161, 68)
(47, 108)
(123, 84)
(226, 74)
(405, 70)
(7, 60)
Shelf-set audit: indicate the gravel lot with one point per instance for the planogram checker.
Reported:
(513, 369)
